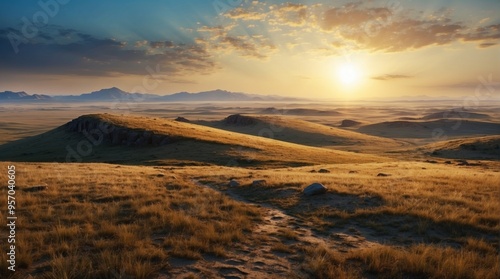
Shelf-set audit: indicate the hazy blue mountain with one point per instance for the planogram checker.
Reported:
(22, 96)
(111, 94)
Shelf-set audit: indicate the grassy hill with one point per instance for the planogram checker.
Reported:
(146, 140)
(469, 148)
(430, 129)
(298, 131)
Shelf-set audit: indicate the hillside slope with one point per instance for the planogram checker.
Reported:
(146, 140)
(470, 148)
(430, 129)
(298, 131)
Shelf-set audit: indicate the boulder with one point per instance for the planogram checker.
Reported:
(233, 183)
(324, 171)
(260, 182)
(383, 175)
(314, 189)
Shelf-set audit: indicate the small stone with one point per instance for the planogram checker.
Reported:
(324, 171)
(314, 189)
(383, 174)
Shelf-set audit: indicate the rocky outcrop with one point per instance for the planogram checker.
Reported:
(182, 119)
(98, 130)
(240, 120)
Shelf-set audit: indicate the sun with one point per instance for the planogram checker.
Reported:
(348, 74)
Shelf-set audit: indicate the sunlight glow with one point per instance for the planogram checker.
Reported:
(348, 74)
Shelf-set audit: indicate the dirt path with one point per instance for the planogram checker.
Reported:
(273, 250)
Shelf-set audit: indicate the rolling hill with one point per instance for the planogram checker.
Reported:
(298, 131)
(145, 140)
(469, 148)
(431, 129)
(456, 113)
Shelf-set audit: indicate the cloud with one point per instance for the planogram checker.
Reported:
(290, 14)
(366, 25)
(389, 29)
(244, 14)
(220, 39)
(490, 32)
(66, 51)
(391, 77)
(351, 16)
(165, 44)
(485, 45)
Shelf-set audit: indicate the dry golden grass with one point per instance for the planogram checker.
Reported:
(107, 221)
(438, 193)
(430, 262)
(417, 261)
(437, 221)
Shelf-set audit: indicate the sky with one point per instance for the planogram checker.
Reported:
(316, 49)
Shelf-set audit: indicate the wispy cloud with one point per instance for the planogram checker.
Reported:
(220, 39)
(485, 45)
(391, 77)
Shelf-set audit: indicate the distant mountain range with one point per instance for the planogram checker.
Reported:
(113, 94)
(16, 96)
